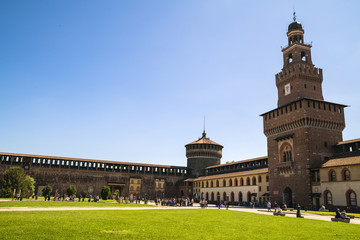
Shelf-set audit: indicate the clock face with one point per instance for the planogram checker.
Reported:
(287, 89)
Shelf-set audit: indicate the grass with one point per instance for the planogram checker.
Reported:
(42, 203)
(167, 224)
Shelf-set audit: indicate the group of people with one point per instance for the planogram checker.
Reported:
(341, 215)
(276, 206)
(173, 202)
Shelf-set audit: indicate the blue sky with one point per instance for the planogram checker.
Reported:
(132, 80)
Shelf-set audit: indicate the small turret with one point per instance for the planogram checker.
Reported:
(203, 153)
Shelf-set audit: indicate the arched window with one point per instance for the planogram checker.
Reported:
(346, 175)
(131, 188)
(254, 181)
(236, 182)
(332, 176)
(248, 181)
(230, 183)
(217, 183)
(212, 184)
(241, 182)
(328, 198)
(224, 183)
(202, 184)
(207, 184)
(259, 179)
(240, 197)
(267, 178)
(303, 56)
(137, 188)
(351, 198)
(286, 153)
(290, 58)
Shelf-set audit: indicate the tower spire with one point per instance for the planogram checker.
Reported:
(204, 133)
(294, 14)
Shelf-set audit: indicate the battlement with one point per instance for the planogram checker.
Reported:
(299, 69)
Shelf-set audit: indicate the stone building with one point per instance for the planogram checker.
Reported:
(308, 163)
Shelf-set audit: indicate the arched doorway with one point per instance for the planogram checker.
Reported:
(288, 197)
(212, 197)
(249, 197)
(232, 197)
(207, 196)
(224, 196)
(240, 197)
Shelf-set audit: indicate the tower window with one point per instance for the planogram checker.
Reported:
(290, 58)
(303, 56)
(305, 85)
(325, 144)
(314, 88)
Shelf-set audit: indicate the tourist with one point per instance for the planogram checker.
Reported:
(269, 206)
(344, 215)
(337, 213)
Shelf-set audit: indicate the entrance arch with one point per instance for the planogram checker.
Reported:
(287, 197)
(232, 197)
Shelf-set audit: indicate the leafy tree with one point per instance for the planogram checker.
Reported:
(105, 191)
(47, 190)
(117, 192)
(15, 178)
(84, 193)
(71, 190)
(30, 184)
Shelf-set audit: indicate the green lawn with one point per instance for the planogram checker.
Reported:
(42, 203)
(167, 224)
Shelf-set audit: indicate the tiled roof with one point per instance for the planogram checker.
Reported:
(237, 162)
(349, 141)
(342, 161)
(233, 174)
(86, 160)
(203, 140)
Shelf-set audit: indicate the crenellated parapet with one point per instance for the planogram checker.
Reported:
(301, 70)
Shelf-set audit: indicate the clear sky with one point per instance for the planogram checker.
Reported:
(132, 80)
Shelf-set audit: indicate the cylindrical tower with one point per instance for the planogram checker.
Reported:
(202, 153)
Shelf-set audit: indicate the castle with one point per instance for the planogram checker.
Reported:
(308, 163)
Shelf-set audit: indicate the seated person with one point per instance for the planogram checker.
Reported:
(343, 215)
(338, 214)
(322, 208)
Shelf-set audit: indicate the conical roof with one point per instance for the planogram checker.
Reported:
(204, 140)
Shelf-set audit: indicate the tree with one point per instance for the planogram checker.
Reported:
(71, 190)
(84, 193)
(46, 190)
(16, 178)
(105, 191)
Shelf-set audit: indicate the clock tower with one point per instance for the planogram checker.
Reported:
(303, 128)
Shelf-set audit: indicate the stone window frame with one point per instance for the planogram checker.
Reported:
(328, 201)
(344, 176)
(351, 202)
(332, 175)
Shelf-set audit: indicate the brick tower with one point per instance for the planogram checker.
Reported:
(303, 128)
(202, 153)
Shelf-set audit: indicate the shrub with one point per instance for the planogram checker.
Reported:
(71, 190)
(46, 190)
(84, 193)
(105, 191)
